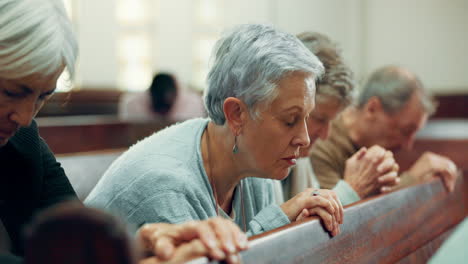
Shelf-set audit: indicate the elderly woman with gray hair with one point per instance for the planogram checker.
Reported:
(335, 91)
(260, 93)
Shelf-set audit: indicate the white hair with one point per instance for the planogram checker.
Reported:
(394, 86)
(247, 64)
(36, 37)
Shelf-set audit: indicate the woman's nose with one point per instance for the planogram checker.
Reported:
(24, 113)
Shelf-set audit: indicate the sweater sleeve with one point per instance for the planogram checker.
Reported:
(346, 193)
(169, 207)
(268, 218)
(269, 215)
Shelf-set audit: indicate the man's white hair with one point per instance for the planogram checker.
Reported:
(249, 61)
(394, 86)
(36, 37)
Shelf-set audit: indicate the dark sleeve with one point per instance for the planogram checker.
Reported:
(10, 259)
(56, 186)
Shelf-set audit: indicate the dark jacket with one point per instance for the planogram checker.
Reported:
(30, 181)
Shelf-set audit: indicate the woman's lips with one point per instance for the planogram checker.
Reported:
(291, 160)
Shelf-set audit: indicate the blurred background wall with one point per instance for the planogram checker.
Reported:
(123, 42)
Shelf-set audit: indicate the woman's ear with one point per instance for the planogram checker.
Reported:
(236, 113)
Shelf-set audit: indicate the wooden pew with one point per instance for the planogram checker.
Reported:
(447, 137)
(84, 101)
(85, 169)
(406, 226)
(92, 133)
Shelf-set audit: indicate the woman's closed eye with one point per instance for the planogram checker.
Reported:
(290, 121)
(13, 94)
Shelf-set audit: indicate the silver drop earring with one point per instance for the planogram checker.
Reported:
(235, 149)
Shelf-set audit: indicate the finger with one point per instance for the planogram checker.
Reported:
(318, 201)
(164, 247)
(386, 165)
(233, 259)
(147, 234)
(336, 215)
(190, 250)
(196, 229)
(376, 154)
(388, 154)
(304, 214)
(361, 153)
(325, 216)
(448, 179)
(387, 189)
(240, 238)
(223, 235)
(389, 178)
(340, 209)
(206, 234)
(334, 232)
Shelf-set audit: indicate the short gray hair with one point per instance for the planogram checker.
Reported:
(394, 86)
(337, 81)
(247, 64)
(36, 37)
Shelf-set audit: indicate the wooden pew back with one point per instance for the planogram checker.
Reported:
(93, 133)
(85, 169)
(407, 226)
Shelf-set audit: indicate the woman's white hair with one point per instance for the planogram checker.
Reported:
(36, 37)
(247, 64)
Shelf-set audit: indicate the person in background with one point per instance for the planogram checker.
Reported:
(37, 44)
(335, 92)
(392, 106)
(165, 100)
(261, 90)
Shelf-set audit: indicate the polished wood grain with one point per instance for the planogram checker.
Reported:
(424, 253)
